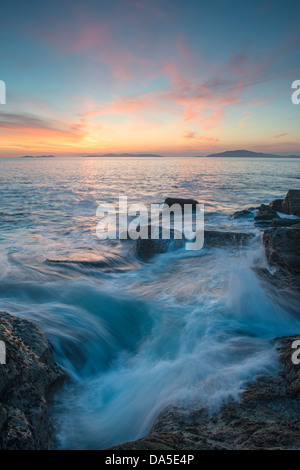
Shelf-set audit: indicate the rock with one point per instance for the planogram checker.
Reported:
(266, 417)
(246, 213)
(26, 380)
(147, 248)
(284, 222)
(291, 202)
(285, 285)
(265, 214)
(282, 247)
(276, 205)
(174, 200)
(219, 239)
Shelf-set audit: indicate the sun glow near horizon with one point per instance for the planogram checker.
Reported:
(134, 77)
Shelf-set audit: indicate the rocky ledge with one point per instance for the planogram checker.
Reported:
(27, 379)
(266, 417)
(280, 222)
(281, 239)
(147, 248)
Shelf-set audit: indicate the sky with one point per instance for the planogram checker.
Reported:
(173, 77)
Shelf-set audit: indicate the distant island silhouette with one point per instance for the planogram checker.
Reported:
(38, 156)
(228, 154)
(248, 153)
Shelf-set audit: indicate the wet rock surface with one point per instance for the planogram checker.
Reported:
(282, 245)
(147, 248)
(283, 282)
(28, 378)
(291, 202)
(169, 201)
(281, 239)
(284, 222)
(276, 205)
(265, 214)
(272, 214)
(244, 214)
(266, 417)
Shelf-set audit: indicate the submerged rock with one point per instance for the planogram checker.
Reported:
(246, 213)
(26, 380)
(266, 417)
(169, 201)
(147, 248)
(282, 246)
(291, 203)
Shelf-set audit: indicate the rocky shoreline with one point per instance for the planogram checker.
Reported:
(268, 414)
(266, 417)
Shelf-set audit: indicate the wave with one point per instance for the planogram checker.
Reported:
(135, 343)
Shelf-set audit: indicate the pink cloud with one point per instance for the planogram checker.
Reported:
(194, 92)
(191, 135)
(245, 118)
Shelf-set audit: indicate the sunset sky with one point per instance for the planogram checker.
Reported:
(171, 77)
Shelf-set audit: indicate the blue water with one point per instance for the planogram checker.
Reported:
(188, 327)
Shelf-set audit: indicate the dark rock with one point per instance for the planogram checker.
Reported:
(26, 380)
(266, 417)
(263, 224)
(147, 248)
(291, 202)
(246, 213)
(265, 214)
(174, 200)
(282, 247)
(284, 222)
(219, 239)
(276, 205)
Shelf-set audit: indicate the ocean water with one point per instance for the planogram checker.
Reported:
(188, 328)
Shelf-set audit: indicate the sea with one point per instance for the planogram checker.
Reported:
(188, 328)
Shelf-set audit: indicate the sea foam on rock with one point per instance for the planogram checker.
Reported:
(147, 248)
(270, 214)
(267, 417)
